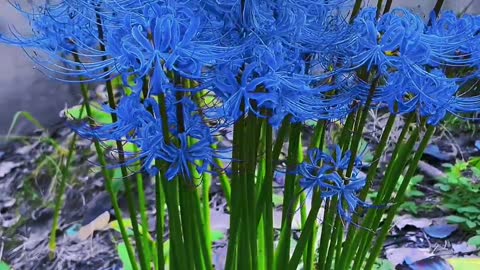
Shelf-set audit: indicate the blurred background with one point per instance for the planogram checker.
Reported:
(23, 88)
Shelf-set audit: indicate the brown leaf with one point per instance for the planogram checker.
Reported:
(98, 224)
(7, 166)
(405, 220)
(398, 255)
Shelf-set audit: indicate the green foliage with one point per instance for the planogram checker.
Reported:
(461, 189)
(123, 255)
(382, 264)
(458, 125)
(411, 194)
(4, 266)
(79, 113)
(474, 241)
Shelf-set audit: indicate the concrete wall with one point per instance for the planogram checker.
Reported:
(22, 88)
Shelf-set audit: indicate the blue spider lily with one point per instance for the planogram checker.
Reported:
(322, 171)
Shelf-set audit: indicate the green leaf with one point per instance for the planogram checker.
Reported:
(117, 181)
(468, 209)
(443, 187)
(456, 219)
(217, 235)
(416, 179)
(4, 266)
(277, 199)
(128, 225)
(474, 241)
(470, 224)
(123, 255)
(451, 205)
(382, 264)
(27, 116)
(77, 113)
(416, 193)
(410, 207)
(465, 263)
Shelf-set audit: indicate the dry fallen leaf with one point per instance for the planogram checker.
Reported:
(398, 255)
(98, 224)
(463, 247)
(7, 166)
(405, 220)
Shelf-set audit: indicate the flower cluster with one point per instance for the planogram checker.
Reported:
(327, 172)
(273, 59)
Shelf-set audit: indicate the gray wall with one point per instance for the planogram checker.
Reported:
(22, 88)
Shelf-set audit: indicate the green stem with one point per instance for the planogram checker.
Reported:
(204, 238)
(356, 10)
(361, 120)
(438, 6)
(143, 217)
(107, 175)
(373, 218)
(379, 8)
(121, 157)
(399, 199)
(268, 186)
(388, 6)
(307, 231)
(281, 136)
(260, 181)
(372, 170)
(360, 234)
(207, 182)
(177, 250)
(236, 209)
(160, 215)
(61, 191)
(325, 235)
(253, 128)
(347, 130)
(289, 200)
(317, 141)
(336, 223)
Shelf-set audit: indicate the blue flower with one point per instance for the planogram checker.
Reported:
(322, 171)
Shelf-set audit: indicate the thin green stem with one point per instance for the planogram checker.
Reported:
(281, 136)
(438, 6)
(160, 215)
(289, 198)
(307, 232)
(388, 6)
(60, 192)
(268, 186)
(379, 8)
(356, 10)
(317, 141)
(400, 197)
(348, 248)
(143, 217)
(207, 182)
(334, 234)
(107, 175)
(204, 238)
(325, 235)
(360, 234)
(188, 232)
(235, 210)
(177, 250)
(121, 157)
(373, 218)
(360, 123)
